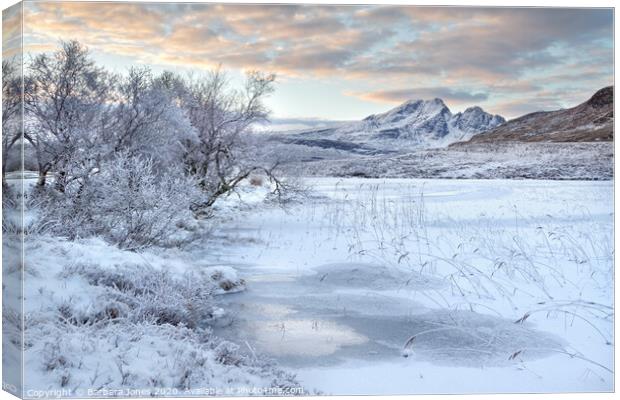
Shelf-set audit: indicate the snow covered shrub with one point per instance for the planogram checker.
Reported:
(287, 191)
(123, 355)
(140, 293)
(127, 203)
(225, 278)
(11, 221)
(256, 180)
(12, 326)
(15, 224)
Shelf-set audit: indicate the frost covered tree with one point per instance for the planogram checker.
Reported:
(67, 103)
(11, 111)
(148, 119)
(221, 116)
(132, 153)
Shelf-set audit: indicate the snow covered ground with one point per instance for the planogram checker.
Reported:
(572, 161)
(365, 286)
(485, 286)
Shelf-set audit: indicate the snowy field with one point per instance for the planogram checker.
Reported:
(364, 286)
(498, 285)
(545, 161)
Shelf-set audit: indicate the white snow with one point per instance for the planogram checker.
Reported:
(574, 161)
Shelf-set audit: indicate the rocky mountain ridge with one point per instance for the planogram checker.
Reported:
(590, 121)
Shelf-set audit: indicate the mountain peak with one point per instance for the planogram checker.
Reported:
(426, 120)
(602, 97)
(474, 109)
(436, 100)
(410, 106)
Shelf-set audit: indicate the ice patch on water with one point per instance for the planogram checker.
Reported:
(371, 276)
(283, 333)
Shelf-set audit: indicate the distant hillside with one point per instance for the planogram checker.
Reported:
(591, 121)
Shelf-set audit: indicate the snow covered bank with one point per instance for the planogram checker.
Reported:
(101, 321)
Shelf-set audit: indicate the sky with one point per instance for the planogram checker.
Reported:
(346, 62)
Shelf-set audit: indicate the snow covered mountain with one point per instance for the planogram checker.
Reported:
(426, 122)
(415, 123)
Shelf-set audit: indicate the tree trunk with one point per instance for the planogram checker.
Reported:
(41, 179)
(61, 181)
(4, 184)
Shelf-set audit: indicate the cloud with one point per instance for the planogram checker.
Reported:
(489, 44)
(290, 124)
(480, 42)
(401, 95)
(463, 54)
(11, 31)
(134, 21)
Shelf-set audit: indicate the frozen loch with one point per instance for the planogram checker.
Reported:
(397, 286)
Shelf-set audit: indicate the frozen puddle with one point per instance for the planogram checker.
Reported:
(305, 337)
(353, 311)
(285, 335)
